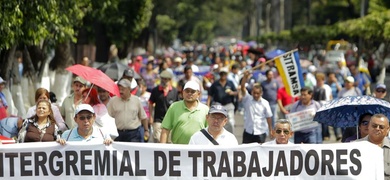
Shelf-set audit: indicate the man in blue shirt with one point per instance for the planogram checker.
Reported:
(85, 131)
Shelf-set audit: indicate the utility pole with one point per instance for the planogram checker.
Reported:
(259, 7)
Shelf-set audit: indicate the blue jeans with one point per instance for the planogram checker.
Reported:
(133, 135)
(273, 110)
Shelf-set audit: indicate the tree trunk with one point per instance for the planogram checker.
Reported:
(62, 59)
(102, 43)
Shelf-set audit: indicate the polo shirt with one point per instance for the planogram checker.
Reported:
(73, 135)
(255, 115)
(162, 101)
(127, 113)
(226, 138)
(218, 92)
(183, 123)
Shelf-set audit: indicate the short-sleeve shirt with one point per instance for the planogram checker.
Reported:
(67, 110)
(127, 113)
(183, 123)
(162, 101)
(256, 114)
(218, 92)
(73, 135)
(270, 90)
(351, 92)
(226, 138)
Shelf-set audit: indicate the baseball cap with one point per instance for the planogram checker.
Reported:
(178, 59)
(128, 72)
(218, 109)
(380, 86)
(83, 107)
(125, 83)
(2, 81)
(224, 70)
(80, 80)
(166, 74)
(350, 79)
(191, 85)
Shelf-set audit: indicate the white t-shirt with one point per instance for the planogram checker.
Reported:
(226, 138)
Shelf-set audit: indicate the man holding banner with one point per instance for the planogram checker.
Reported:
(302, 113)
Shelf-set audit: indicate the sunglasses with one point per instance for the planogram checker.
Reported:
(364, 123)
(377, 125)
(279, 131)
(380, 91)
(85, 117)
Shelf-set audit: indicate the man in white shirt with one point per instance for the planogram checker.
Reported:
(257, 113)
(282, 132)
(215, 133)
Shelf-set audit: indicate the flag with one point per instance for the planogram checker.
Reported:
(290, 71)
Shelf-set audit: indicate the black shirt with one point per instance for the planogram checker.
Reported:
(162, 102)
(218, 92)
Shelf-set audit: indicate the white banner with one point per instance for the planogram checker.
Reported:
(302, 120)
(167, 161)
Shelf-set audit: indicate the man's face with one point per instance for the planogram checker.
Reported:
(380, 93)
(282, 133)
(305, 97)
(378, 129)
(216, 121)
(256, 93)
(103, 94)
(2, 85)
(78, 88)
(85, 120)
(190, 95)
(165, 82)
(188, 73)
(223, 76)
(124, 92)
(270, 75)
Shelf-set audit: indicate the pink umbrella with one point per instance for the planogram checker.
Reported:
(96, 77)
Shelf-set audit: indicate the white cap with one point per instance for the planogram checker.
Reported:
(192, 85)
(350, 79)
(178, 59)
(312, 68)
(83, 107)
(2, 81)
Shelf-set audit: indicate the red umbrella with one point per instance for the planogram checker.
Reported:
(96, 77)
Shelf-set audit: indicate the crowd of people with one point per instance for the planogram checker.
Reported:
(164, 101)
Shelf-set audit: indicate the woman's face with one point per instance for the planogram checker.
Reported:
(43, 97)
(43, 110)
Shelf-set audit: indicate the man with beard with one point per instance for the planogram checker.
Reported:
(185, 117)
(162, 96)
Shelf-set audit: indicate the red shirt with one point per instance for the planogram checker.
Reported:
(284, 97)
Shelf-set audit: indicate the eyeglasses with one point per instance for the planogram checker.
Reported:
(364, 123)
(219, 118)
(85, 117)
(377, 125)
(380, 91)
(279, 131)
